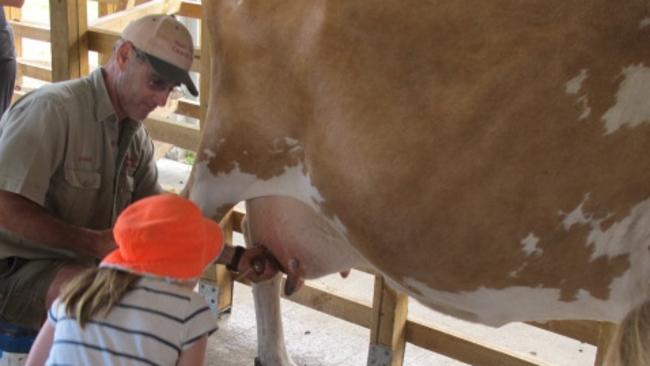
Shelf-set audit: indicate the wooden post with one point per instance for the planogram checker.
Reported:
(216, 283)
(224, 279)
(204, 75)
(606, 334)
(107, 7)
(388, 326)
(68, 28)
(12, 13)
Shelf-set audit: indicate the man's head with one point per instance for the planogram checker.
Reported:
(167, 45)
(152, 58)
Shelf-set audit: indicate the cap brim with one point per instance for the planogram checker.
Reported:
(173, 73)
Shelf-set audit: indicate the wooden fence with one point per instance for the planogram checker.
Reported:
(71, 38)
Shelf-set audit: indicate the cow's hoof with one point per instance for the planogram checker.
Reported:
(257, 361)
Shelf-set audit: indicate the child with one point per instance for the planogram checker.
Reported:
(138, 307)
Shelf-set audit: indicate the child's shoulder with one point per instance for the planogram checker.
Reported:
(163, 286)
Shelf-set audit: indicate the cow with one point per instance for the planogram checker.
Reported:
(476, 154)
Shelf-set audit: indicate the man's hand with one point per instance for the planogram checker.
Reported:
(105, 243)
(258, 264)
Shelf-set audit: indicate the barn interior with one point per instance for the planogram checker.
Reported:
(329, 322)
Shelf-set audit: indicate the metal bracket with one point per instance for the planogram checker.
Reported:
(211, 294)
(379, 355)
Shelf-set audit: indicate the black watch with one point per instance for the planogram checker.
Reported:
(234, 263)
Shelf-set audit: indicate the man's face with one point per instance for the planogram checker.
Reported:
(141, 88)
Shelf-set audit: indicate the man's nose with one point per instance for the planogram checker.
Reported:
(161, 97)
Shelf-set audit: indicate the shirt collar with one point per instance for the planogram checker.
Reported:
(104, 109)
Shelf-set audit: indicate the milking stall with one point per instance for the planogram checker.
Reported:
(358, 320)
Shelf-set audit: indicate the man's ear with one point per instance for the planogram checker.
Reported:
(122, 54)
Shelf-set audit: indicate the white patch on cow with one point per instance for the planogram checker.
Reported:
(644, 23)
(529, 244)
(533, 304)
(209, 153)
(577, 216)
(211, 192)
(632, 107)
(516, 272)
(291, 141)
(573, 86)
(620, 237)
(624, 236)
(586, 109)
(280, 145)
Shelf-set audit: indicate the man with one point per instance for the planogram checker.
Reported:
(73, 155)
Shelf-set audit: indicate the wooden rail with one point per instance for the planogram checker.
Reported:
(387, 316)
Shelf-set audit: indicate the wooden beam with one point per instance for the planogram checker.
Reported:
(318, 297)
(188, 108)
(102, 40)
(190, 10)
(35, 70)
(30, 30)
(68, 26)
(582, 330)
(119, 20)
(460, 347)
(185, 137)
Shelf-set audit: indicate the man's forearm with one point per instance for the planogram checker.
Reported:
(25, 218)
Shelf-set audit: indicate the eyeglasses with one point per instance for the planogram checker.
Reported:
(156, 82)
(159, 84)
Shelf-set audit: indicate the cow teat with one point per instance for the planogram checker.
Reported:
(294, 279)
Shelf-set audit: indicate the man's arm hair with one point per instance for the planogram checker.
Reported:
(27, 219)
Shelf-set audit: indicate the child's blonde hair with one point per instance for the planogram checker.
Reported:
(96, 291)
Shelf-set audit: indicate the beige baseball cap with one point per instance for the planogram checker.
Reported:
(167, 44)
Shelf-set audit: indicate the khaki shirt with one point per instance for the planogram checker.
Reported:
(62, 147)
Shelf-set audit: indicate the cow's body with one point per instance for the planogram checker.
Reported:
(478, 154)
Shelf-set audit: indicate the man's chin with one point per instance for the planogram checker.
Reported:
(140, 116)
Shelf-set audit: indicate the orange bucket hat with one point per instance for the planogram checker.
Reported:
(164, 236)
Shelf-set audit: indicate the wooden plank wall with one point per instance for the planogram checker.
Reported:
(71, 38)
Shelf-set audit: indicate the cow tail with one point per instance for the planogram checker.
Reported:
(631, 344)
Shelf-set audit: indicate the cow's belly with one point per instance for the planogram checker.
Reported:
(497, 307)
(292, 230)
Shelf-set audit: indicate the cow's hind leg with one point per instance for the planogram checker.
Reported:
(271, 348)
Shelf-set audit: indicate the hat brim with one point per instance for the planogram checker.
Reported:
(173, 73)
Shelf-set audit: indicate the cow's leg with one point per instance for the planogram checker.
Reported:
(271, 349)
(306, 246)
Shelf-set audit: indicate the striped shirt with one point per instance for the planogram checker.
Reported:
(150, 326)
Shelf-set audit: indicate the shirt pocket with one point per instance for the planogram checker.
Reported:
(75, 198)
(82, 179)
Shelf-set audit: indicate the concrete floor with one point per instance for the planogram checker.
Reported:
(316, 339)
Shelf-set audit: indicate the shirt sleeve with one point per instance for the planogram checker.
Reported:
(31, 147)
(199, 321)
(53, 314)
